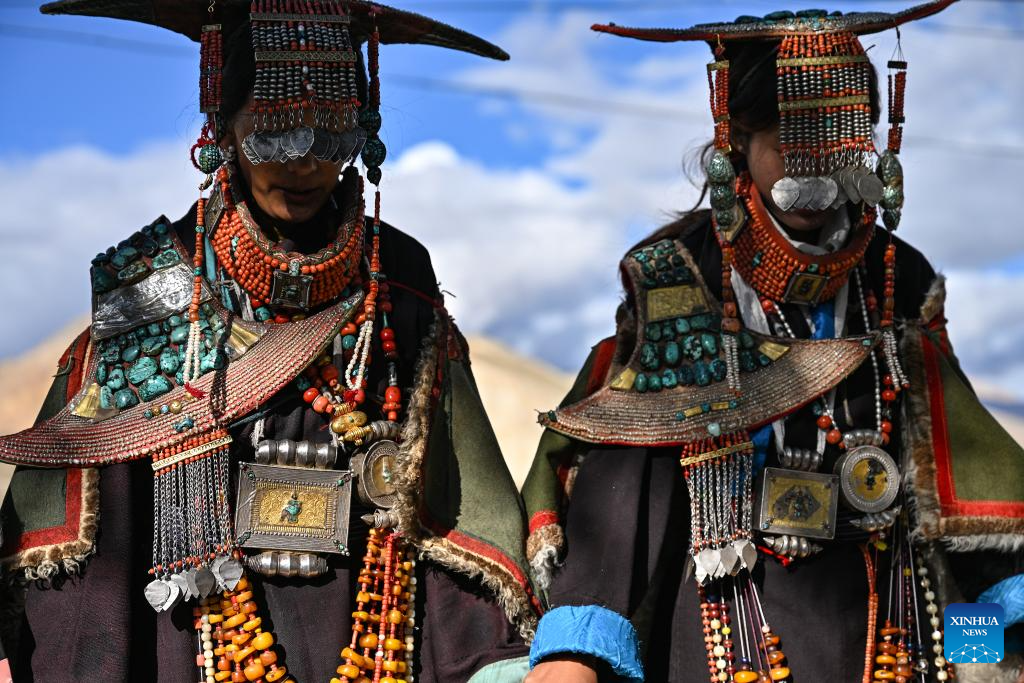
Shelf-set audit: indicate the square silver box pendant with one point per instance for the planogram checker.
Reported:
(290, 290)
(293, 508)
(797, 503)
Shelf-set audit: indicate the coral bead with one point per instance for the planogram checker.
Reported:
(824, 422)
(387, 334)
(309, 395)
(834, 437)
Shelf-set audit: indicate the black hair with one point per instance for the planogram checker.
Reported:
(239, 75)
(753, 107)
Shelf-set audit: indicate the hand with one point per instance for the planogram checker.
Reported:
(566, 668)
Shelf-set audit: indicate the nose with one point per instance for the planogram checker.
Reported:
(303, 166)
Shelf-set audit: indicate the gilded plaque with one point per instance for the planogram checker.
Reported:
(798, 503)
(293, 508)
(676, 302)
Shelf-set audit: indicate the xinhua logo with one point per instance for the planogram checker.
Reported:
(974, 633)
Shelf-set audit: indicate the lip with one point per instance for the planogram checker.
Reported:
(298, 195)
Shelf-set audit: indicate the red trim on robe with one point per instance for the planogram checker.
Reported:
(543, 518)
(602, 362)
(945, 486)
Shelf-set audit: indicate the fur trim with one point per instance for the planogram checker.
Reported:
(918, 459)
(46, 563)
(1007, 671)
(509, 592)
(934, 300)
(544, 549)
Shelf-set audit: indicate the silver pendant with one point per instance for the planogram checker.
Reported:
(841, 196)
(747, 553)
(730, 560)
(830, 191)
(301, 141)
(870, 188)
(709, 559)
(231, 573)
(215, 568)
(205, 581)
(181, 584)
(849, 184)
(157, 593)
(785, 192)
(173, 597)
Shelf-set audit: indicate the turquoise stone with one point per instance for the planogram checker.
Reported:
(648, 269)
(115, 381)
(710, 344)
(179, 378)
(714, 429)
(106, 398)
(684, 375)
(662, 264)
(747, 361)
(649, 283)
(640, 383)
(654, 332)
(184, 425)
(701, 374)
(746, 340)
(706, 407)
(722, 196)
(653, 382)
(682, 325)
(666, 279)
(148, 246)
(148, 414)
(718, 369)
(813, 268)
(154, 386)
(142, 370)
(102, 281)
(125, 398)
(101, 373)
(169, 362)
(692, 347)
(764, 360)
(262, 314)
(668, 330)
(133, 272)
(214, 360)
(154, 345)
(757, 258)
(111, 352)
(700, 322)
(649, 356)
(348, 342)
(720, 169)
(123, 256)
(671, 354)
(160, 229)
(153, 329)
(130, 353)
(668, 379)
(165, 409)
(176, 320)
(683, 275)
(179, 334)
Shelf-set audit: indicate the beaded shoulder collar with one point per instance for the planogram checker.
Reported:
(676, 386)
(780, 272)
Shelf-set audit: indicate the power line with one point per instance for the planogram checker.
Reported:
(513, 94)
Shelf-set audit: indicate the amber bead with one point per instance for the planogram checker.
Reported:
(779, 673)
(368, 641)
(349, 671)
(885, 660)
(268, 657)
(776, 657)
(276, 675)
(884, 675)
(254, 671)
(744, 677)
(263, 640)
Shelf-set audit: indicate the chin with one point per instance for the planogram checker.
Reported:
(806, 221)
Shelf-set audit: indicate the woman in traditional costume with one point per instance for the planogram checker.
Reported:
(271, 411)
(840, 484)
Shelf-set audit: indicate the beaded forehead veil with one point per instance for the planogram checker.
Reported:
(825, 126)
(305, 96)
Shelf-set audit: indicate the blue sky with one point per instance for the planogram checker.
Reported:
(527, 180)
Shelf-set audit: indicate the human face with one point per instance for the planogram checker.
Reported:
(764, 159)
(289, 192)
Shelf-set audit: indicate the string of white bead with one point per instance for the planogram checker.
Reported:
(360, 353)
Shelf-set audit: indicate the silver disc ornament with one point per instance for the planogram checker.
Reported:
(785, 193)
(157, 592)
